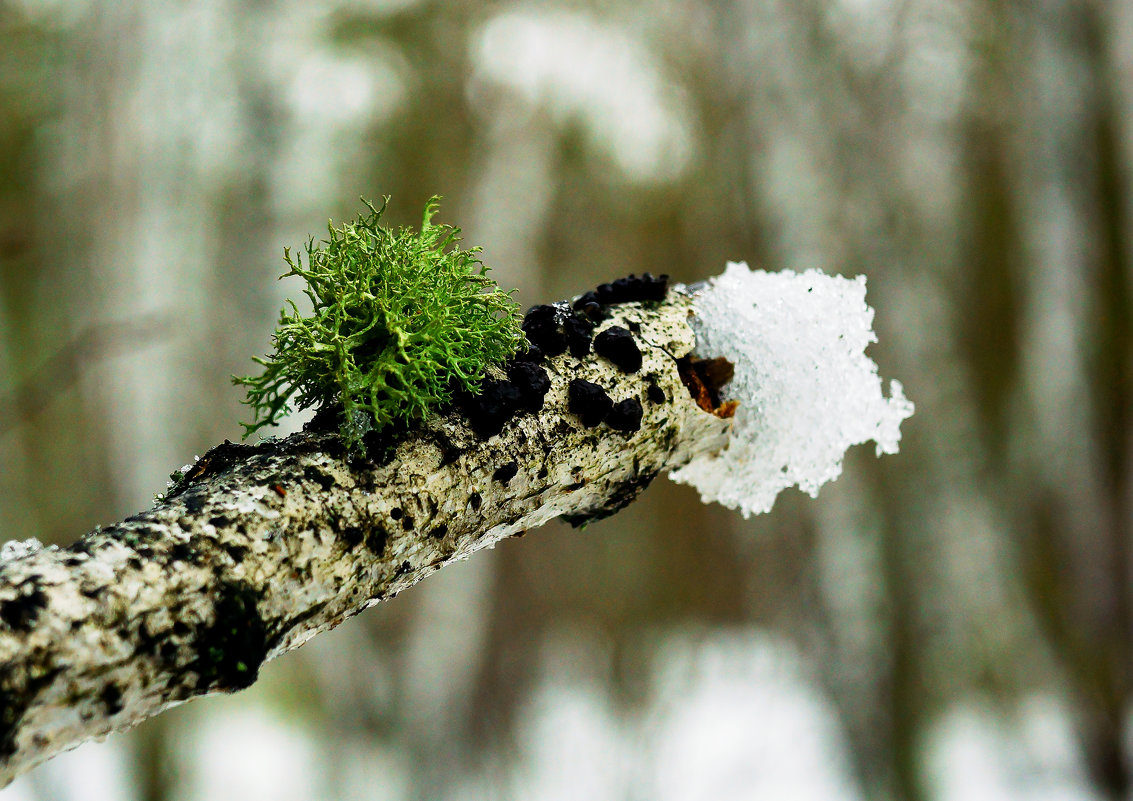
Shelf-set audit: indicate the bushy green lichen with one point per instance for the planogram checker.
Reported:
(399, 321)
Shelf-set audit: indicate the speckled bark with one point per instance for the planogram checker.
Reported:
(265, 546)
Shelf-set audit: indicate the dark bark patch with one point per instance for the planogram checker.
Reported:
(17, 692)
(618, 497)
(352, 536)
(588, 401)
(449, 451)
(184, 552)
(232, 647)
(617, 345)
(506, 472)
(220, 521)
(381, 445)
(376, 539)
(216, 460)
(236, 552)
(407, 523)
(327, 419)
(475, 500)
(625, 416)
(439, 532)
(84, 546)
(112, 699)
(194, 502)
(21, 612)
(323, 479)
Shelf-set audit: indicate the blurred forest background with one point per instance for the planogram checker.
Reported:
(955, 622)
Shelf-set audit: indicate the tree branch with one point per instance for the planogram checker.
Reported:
(262, 547)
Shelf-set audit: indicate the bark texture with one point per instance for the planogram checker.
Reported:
(263, 546)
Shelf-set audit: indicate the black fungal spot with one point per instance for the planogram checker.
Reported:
(395, 513)
(407, 523)
(543, 327)
(589, 304)
(21, 612)
(617, 345)
(220, 521)
(317, 476)
(475, 500)
(439, 532)
(589, 401)
(625, 416)
(506, 472)
(232, 647)
(402, 569)
(532, 355)
(578, 333)
(112, 699)
(655, 393)
(633, 289)
(532, 382)
(497, 403)
(542, 473)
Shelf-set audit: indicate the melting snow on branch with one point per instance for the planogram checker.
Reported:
(805, 387)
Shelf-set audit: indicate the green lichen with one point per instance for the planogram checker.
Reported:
(399, 320)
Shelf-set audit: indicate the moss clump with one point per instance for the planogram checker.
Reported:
(399, 321)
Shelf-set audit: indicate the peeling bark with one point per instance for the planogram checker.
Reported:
(264, 546)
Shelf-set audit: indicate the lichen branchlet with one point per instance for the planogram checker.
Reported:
(399, 321)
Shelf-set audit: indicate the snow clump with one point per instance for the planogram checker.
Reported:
(806, 389)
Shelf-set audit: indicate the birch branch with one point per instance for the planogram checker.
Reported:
(264, 546)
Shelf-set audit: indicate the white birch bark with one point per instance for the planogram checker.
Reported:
(264, 546)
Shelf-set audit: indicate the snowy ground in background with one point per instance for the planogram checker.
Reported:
(734, 718)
